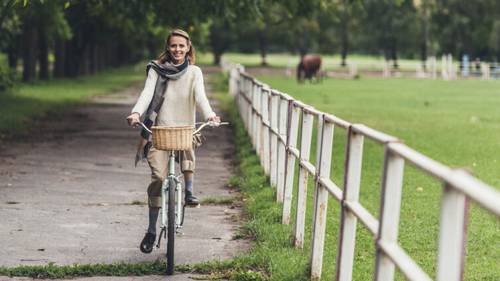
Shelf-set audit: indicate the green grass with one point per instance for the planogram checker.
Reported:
(272, 257)
(222, 200)
(28, 102)
(329, 62)
(455, 122)
(209, 270)
(53, 271)
(272, 254)
(204, 58)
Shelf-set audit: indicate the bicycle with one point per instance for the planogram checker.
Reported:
(172, 206)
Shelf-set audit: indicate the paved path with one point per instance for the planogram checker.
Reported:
(68, 193)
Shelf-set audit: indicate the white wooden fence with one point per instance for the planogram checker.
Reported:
(272, 121)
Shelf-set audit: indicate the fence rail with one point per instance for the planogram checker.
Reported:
(272, 120)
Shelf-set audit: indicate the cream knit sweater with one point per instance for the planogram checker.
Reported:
(181, 98)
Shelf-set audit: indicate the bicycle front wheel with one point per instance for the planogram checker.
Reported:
(171, 227)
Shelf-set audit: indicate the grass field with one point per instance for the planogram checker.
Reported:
(329, 62)
(454, 122)
(25, 102)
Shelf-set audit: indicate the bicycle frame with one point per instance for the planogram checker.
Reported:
(173, 182)
(179, 214)
(179, 210)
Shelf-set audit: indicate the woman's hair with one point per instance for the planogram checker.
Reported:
(166, 56)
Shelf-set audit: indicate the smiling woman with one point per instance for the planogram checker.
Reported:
(173, 90)
(177, 47)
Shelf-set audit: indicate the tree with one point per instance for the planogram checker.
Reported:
(221, 37)
(339, 20)
(29, 40)
(6, 11)
(387, 24)
(424, 10)
(494, 40)
(263, 31)
(263, 23)
(10, 31)
(464, 27)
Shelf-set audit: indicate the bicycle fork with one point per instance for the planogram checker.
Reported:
(179, 208)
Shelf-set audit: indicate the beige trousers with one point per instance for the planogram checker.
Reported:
(158, 162)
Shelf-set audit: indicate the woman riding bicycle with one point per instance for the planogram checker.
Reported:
(173, 89)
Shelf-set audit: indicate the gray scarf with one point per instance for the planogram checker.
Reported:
(165, 71)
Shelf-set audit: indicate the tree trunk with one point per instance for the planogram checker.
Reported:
(394, 54)
(71, 62)
(100, 56)
(217, 58)
(262, 46)
(93, 58)
(12, 57)
(344, 48)
(302, 46)
(60, 58)
(344, 36)
(152, 51)
(85, 62)
(425, 39)
(107, 55)
(13, 53)
(115, 55)
(423, 54)
(43, 55)
(29, 47)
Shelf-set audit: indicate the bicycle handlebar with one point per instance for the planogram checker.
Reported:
(211, 124)
(145, 128)
(203, 125)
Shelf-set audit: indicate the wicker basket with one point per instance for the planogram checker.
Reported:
(173, 138)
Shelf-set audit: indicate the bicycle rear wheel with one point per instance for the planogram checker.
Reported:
(171, 227)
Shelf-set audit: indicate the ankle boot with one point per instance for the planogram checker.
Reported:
(190, 199)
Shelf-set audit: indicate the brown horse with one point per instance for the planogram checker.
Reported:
(308, 67)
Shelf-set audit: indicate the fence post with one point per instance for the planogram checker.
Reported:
(392, 182)
(258, 119)
(241, 98)
(444, 67)
(245, 102)
(239, 86)
(274, 138)
(255, 117)
(452, 235)
(265, 128)
(233, 72)
(282, 128)
(485, 70)
(290, 162)
(305, 147)
(323, 170)
(248, 94)
(319, 138)
(348, 221)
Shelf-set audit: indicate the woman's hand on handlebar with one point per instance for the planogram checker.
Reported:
(133, 119)
(214, 119)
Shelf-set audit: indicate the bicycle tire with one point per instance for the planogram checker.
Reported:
(171, 227)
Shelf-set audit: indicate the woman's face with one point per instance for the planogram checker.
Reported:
(178, 48)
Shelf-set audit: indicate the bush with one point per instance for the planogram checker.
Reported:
(6, 77)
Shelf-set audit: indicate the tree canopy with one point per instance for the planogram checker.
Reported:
(61, 38)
